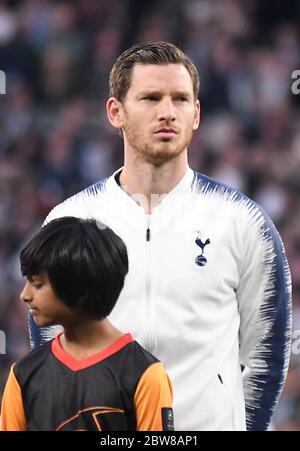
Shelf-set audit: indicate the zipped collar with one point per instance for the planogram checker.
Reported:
(183, 187)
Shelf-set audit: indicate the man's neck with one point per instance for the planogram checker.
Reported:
(148, 184)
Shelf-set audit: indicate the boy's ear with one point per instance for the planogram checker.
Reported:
(114, 110)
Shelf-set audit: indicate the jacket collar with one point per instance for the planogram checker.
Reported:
(173, 198)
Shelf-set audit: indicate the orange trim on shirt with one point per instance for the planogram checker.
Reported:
(153, 393)
(76, 365)
(95, 411)
(12, 410)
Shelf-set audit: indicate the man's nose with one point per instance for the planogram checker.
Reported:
(166, 111)
(26, 295)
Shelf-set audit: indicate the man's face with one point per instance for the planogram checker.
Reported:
(159, 112)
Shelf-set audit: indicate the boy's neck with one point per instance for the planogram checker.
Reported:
(89, 337)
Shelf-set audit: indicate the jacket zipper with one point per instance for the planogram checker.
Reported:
(148, 288)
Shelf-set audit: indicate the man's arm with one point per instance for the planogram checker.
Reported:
(153, 400)
(264, 297)
(40, 335)
(82, 205)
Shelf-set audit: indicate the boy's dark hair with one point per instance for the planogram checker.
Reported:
(159, 53)
(86, 263)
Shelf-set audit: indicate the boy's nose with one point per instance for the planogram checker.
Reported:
(25, 295)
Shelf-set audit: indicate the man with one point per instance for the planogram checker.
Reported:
(208, 289)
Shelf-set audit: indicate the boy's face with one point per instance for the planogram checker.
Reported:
(45, 307)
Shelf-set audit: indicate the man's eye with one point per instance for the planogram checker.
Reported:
(151, 98)
(181, 99)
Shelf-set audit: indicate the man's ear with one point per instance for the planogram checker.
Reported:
(197, 115)
(114, 112)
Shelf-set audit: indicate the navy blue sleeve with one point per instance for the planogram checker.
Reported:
(40, 335)
(265, 332)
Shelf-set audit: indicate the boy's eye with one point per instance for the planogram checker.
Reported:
(37, 285)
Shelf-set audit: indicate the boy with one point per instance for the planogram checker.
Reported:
(91, 376)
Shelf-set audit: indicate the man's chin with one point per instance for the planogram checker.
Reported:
(160, 156)
(159, 159)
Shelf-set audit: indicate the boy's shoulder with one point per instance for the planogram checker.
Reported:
(28, 364)
(129, 365)
(132, 360)
(137, 352)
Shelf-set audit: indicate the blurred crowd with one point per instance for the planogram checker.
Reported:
(55, 138)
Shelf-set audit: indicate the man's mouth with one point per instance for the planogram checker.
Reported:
(165, 132)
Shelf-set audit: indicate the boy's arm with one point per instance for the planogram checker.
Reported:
(12, 410)
(153, 400)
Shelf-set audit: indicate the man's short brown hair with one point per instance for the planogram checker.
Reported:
(159, 53)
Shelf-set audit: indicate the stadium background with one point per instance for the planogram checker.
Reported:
(55, 139)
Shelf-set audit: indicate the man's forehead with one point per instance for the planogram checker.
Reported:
(152, 76)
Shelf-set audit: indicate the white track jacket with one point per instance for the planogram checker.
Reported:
(208, 293)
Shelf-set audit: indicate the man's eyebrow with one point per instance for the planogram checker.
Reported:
(150, 92)
(181, 94)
